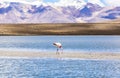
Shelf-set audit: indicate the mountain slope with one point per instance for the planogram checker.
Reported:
(106, 14)
(15, 12)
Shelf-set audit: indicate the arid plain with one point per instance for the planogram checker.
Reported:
(61, 29)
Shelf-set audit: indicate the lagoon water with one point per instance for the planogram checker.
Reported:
(70, 43)
(59, 68)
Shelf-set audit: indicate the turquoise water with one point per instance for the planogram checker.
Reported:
(70, 43)
(58, 68)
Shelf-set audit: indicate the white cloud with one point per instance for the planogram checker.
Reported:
(76, 3)
(32, 2)
(112, 2)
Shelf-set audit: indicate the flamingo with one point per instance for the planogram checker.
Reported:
(59, 46)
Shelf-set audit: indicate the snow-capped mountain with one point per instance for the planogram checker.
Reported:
(22, 13)
(17, 12)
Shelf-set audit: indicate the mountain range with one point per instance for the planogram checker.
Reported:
(15, 12)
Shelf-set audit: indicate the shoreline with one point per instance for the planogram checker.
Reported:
(74, 55)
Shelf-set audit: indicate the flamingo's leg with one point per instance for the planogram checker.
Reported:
(61, 50)
(57, 51)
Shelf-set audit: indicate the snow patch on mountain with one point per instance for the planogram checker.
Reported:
(65, 3)
(99, 2)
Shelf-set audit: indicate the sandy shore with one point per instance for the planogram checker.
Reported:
(80, 55)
